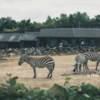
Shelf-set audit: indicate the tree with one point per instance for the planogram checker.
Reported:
(49, 22)
(97, 18)
(63, 19)
(7, 23)
(71, 18)
(24, 23)
(81, 17)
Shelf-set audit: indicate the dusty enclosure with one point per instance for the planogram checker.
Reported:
(63, 67)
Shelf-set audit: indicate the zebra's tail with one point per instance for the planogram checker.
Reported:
(53, 66)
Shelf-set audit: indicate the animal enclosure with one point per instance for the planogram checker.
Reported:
(64, 65)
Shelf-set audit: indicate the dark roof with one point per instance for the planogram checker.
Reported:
(53, 32)
(10, 37)
(56, 32)
(86, 32)
(70, 32)
(30, 36)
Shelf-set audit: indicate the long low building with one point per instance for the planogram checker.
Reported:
(29, 39)
(10, 39)
(52, 37)
(72, 36)
(18, 40)
(70, 32)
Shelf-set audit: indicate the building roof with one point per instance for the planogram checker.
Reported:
(56, 32)
(86, 32)
(70, 32)
(53, 33)
(30, 36)
(10, 37)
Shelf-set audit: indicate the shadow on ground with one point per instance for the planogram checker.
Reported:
(93, 71)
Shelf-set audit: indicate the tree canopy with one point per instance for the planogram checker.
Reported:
(77, 18)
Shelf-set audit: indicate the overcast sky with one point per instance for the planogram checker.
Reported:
(38, 10)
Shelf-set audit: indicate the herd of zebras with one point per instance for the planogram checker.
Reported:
(48, 62)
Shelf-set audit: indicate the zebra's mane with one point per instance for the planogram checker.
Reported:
(27, 57)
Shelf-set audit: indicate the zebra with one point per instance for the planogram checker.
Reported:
(80, 59)
(92, 56)
(38, 62)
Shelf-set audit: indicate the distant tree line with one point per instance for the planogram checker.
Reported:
(77, 19)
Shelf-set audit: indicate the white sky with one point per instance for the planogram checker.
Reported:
(38, 10)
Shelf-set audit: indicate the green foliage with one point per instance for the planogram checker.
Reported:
(37, 94)
(49, 22)
(24, 23)
(85, 92)
(63, 19)
(9, 25)
(10, 30)
(89, 89)
(17, 91)
(97, 18)
(67, 79)
(59, 92)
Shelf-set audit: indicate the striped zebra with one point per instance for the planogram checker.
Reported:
(92, 56)
(80, 59)
(38, 62)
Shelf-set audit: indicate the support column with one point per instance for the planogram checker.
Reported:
(73, 41)
(6, 45)
(0, 45)
(54, 42)
(92, 41)
(21, 44)
(37, 42)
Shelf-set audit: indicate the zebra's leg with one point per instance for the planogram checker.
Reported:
(34, 69)
(52, 69)
(50, 72)
(87, 66)
(80, 67)
(83, 67)
(97, 65)
(75, 68)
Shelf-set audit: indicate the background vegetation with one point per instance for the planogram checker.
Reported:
(77, 19)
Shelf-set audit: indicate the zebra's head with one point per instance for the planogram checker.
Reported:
(21, 60)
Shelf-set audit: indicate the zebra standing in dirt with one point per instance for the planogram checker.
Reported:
(80, 59)
(92, 56)
(38, 62)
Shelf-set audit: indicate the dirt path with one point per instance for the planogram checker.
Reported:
(63, 67)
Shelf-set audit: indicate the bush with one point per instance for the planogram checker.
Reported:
(17, 91)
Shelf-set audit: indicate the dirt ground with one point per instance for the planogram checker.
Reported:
(63, 66)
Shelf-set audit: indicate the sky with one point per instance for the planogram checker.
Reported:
(38, 10)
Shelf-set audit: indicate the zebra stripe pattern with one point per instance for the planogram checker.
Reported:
(38, 62)
(92, 56)
(80, 59)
